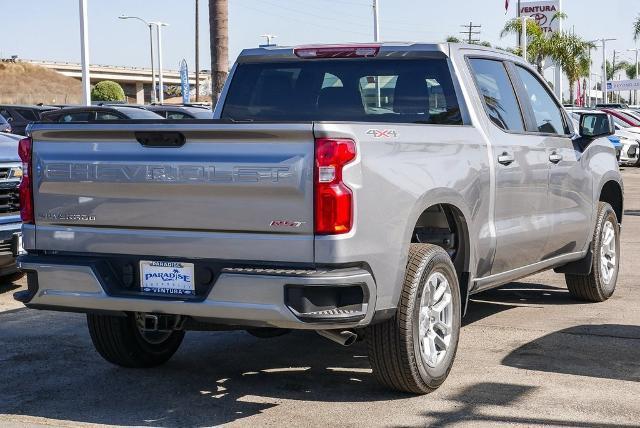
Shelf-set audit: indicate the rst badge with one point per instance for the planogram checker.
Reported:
(383, 133)
(286, 223)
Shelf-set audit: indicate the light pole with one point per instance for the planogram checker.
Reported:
(269, 38)
(604, 68)
(153, 73)
(84, 53)
(376, 21)
(635, 93)
(159, 26)
(595, 77)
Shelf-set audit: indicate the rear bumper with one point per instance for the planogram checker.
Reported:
(238, 297)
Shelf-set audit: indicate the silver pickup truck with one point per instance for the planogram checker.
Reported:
(361, 191)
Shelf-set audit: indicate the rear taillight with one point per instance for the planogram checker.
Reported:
(26, 185)
(333, 199)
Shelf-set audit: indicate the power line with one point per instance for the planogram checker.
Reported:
(471, 31)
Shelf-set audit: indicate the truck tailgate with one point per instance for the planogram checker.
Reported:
(231, 191)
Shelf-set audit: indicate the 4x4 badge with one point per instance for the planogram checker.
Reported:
(383, 133)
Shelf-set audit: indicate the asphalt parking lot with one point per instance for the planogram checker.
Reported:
(528, 355)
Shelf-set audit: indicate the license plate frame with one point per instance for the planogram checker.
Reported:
(167, 278)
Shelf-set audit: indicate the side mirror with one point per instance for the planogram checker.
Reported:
(595, 125)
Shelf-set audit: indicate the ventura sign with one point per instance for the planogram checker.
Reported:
(544, 13)
(623, 85)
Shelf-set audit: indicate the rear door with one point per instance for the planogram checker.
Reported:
(231, 191)
(521, 170)
(570, 184)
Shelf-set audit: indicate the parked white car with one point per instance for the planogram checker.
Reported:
(629, 137)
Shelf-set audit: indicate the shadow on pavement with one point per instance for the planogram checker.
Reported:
(609, 351)
(50, 370)
(475, 406)
(213, 379)
(513, 295)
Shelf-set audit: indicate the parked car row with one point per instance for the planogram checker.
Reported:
(627, 137)
(15, 118)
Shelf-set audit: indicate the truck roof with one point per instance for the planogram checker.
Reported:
(387, 49)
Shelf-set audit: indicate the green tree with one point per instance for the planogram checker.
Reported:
(636, 29)
(612, 70)
(630, 71)
(453, 39)
(107, 90)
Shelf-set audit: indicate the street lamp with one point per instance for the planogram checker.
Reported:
(153, 73)
(635, 96)
(159, 26)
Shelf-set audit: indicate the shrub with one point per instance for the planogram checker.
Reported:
(107, 91)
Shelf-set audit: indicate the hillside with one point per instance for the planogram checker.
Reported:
(22, 83)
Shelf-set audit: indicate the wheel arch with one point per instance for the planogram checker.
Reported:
(452, 208)
(611, 192)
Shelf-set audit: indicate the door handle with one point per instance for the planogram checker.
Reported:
(506, 159)
(555, 157)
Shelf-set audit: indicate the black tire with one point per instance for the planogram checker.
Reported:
(119, 341)
(593, 287)
(394, 345)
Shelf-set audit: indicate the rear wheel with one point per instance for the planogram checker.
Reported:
(414, 351)
(123, 341)
(600, 284)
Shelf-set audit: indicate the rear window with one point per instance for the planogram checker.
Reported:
(27, 114)
(138, 113)
(406, 91)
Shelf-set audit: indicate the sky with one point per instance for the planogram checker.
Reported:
(49, 29)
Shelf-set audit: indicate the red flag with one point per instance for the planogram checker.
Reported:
(579, 96)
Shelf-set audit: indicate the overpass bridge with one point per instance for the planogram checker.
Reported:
(136, 81)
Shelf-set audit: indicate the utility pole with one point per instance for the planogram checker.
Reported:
(376, 21)
(84, 53)
(197, 30)
(471, 32)
(219, 44)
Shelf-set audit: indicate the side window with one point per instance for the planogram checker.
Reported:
(177, 115)
(101, 115)
(5, 114)
(75, 117)
(27, 114)
(548, 116)
(497, 91)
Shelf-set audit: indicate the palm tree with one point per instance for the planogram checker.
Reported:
(572, 53)
(630, 71)
(636, 29)
(612, 70)
(539, 45)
